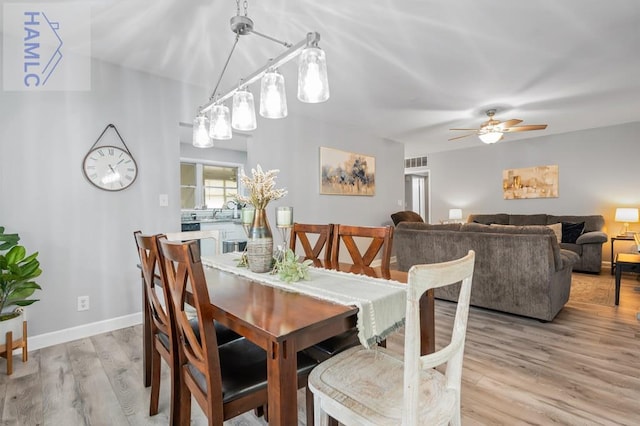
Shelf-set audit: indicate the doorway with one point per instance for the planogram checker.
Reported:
(417, 195)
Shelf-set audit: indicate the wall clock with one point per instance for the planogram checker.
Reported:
(108, 167)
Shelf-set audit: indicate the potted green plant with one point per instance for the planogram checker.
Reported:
(17, 274)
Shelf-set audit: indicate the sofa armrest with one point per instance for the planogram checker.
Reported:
(592, 237)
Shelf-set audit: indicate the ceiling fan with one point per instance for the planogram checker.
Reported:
(491, 131)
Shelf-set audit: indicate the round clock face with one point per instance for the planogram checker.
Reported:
(110, 168)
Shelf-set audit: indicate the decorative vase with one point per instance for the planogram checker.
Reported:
(260, 243)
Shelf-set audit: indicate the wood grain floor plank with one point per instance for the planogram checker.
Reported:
(23, 398)
(125, 379)
(582, 368)
(99, 404)
(61, 402)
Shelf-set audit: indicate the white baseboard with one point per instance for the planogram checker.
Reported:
(82, 331)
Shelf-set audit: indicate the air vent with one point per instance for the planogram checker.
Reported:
(415, 162)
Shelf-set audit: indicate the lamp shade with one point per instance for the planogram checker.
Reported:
(455, 214)
(626, 215)
(273, 98)
(313, 83)
(220, 127)
(244, 112)
(201, 137)
(490, 137)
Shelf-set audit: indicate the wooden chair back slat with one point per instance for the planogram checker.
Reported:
(380, 240)
(150, 265)
(301, 231)
(185, 272)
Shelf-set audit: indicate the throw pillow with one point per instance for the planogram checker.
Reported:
(557, 228)
(571, 231)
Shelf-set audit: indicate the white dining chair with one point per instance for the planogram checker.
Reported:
(376, 387)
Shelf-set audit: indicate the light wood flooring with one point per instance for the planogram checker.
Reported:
(581, 369)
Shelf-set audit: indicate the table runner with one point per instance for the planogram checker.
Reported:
(381, 303)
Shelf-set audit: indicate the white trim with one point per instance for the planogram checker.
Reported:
(82, 331)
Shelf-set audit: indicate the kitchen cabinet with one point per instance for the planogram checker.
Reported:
(228, 231)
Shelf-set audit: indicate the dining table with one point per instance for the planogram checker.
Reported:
(283, 322)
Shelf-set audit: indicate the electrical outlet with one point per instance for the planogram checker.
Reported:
(83, 303)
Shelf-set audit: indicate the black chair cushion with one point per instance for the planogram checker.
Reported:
(224, 334)
(334, 345)
(243, 367)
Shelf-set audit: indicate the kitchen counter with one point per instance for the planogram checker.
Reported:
(221, 220)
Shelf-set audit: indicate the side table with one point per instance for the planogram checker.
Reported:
(625, 262)
(613, 240)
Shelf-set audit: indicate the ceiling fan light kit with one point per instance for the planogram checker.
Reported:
(492, 130)
(490, 137)
(313, 86)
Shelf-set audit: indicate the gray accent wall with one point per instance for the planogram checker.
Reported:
(598, 171)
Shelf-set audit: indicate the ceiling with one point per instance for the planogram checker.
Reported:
(405, 70)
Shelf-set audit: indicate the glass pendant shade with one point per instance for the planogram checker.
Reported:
(201, 137)
(273, 99)
(490, 137)
(313, 84)
(244, 112)
(220, 128)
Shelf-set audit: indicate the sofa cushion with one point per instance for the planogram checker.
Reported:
(591, 222)
(571, 231)
(569, 257)
(434, 227)
(406, 216)
(557, 229)
(501, 218)
(528, 219)
(575, 248)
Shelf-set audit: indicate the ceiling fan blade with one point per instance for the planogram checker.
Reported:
(526, 128)
(470, 130)
(510, 123)
(460, 137)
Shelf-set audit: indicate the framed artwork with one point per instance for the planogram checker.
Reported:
(530, 182)
(346, 173)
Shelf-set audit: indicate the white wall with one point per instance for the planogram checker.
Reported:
(85, 235)
(293, 146)
(597, 173)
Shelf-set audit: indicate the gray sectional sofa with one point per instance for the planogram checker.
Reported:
(588, 245)
(519, 269)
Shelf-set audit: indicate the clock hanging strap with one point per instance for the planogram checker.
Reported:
(111, 126)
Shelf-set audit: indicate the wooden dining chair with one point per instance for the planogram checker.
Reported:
(375, 238)
(225, 380)
(162, 329)
(305, 234)
(379, 239)
(377, 387)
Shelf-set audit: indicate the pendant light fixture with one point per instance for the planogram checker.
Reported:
(220, 123)
(243, 116)
(273, 98)
(201, 137)
(313, 86)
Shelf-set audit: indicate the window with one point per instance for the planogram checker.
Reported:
(207, 185)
